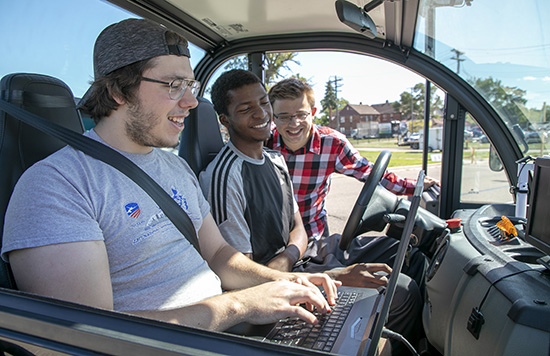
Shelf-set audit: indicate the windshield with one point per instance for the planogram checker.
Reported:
(510, 67)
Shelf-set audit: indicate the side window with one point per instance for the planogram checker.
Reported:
(481, 182)
(59, 46)
(403, 134)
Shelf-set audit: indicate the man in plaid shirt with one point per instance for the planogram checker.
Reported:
(313, 153)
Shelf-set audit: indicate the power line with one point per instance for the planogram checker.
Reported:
(495, 49)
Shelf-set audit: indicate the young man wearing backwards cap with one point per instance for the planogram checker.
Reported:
(77, 229)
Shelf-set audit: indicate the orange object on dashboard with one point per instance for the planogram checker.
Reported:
(506, 226)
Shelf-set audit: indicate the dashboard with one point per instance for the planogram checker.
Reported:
(486, 296)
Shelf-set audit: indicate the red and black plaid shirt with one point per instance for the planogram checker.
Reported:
(310, 167)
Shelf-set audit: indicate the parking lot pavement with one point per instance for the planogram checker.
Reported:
(344, 191)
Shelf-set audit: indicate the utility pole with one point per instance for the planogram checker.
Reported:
(412, 107)
(334, 83)
(457, 59)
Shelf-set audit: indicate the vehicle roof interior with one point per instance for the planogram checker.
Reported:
(210, 24)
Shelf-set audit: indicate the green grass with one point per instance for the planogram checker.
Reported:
(408, 158)
(374, 142)
(398, 159)
(402, 158)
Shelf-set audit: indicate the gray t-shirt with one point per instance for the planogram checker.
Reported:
(252, 201)
(71, 197)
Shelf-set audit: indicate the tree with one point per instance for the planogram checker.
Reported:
(323, 120)
(274, 63)
(436, 104)
(539, 116)
(509, 101)
(406, 105)
(415, 100)
(329, 104)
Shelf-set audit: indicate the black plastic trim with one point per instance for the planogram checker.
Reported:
(451, 166)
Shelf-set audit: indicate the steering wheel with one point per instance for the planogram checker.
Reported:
(356, 217)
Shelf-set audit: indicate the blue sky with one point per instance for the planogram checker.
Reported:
(64, 44)
(65, 51)
(68, 44)
(68, 48)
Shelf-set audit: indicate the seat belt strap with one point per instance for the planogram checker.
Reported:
(108, 155)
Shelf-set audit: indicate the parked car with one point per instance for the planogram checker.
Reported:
(477, 132)
(484, 295)
(357, 134)
(532, 137)
(413, 140)
(482, 138)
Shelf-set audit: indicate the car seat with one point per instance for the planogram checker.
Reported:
(22, 145)
(201, 138)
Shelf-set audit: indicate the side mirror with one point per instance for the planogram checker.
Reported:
(520, 136)
(494, 160)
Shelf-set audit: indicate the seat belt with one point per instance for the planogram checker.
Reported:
(110, 156)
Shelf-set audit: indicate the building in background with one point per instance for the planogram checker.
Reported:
(366, 121)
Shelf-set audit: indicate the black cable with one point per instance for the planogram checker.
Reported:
(500, 279)
(387, 333)
(476, 319)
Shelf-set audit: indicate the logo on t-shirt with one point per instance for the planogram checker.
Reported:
(179, 199)
(133, 210)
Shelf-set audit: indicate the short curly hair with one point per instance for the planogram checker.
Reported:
(291, 88)
(230, 80)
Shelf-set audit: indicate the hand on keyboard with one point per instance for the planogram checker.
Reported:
(364, 275)
(272, 301)
(319, 279)
(321, 336)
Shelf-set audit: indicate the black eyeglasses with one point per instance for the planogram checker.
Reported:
(178, 86)
(301, 116)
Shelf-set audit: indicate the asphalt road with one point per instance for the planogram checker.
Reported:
(345, 190)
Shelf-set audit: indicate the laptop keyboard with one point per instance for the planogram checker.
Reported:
(321, 336)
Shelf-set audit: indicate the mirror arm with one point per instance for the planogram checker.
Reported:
(372, 5)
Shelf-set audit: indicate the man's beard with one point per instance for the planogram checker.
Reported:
(140, 127)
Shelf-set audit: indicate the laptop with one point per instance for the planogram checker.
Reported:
(370, 342)
(356, 322)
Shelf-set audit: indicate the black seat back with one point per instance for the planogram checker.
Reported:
(22, 145)
(201, 139)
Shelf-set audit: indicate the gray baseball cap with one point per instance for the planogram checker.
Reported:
(130, 41)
